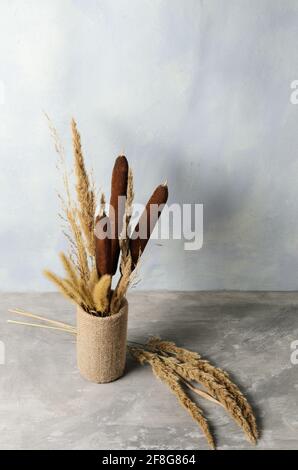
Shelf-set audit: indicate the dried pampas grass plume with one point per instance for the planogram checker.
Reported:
(85, 193)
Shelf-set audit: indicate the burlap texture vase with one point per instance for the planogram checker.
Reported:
(101, 345)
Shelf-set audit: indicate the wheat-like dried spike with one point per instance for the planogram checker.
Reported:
(122, 286)
(223, 377)
(167, 375)
(171, 379)
(219, 391)
(101, 294)
(81, 255)
(93, 279)
(78, 292)
(85, 193)
(182, 354)
(84, 288)
(141, 355)
(63, 288)
(70, 269)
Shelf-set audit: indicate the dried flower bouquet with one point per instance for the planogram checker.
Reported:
(96, 239)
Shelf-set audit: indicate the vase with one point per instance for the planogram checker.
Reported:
(101, 345)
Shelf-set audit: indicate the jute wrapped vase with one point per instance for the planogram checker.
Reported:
(101, 345)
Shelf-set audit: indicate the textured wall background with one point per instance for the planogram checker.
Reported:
(194, 91)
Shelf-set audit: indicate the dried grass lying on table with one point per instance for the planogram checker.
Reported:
(163, 371)
(188, 368)
(216, 381)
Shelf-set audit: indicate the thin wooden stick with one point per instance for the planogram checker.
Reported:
(38, 317)
(200, 392)
(66, 330)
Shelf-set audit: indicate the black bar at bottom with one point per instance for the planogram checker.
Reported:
(136, 458)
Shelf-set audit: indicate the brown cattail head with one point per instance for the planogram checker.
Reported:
(103, 245)
(147, 222)
(117, 206)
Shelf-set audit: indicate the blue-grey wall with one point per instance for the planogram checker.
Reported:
(196, 92)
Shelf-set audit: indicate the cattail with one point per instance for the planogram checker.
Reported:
(118, 190)
(103, 245)
(147, 222)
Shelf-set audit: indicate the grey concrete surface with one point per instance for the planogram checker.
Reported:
(45, 404)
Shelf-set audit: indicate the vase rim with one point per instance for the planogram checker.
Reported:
(124, 305)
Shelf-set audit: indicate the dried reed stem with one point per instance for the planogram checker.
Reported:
(39, 317)
(200, 392)
(67, 330)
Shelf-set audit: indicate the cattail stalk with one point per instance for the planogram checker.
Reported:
(117, 206)
(147, 222)
(103, 245)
